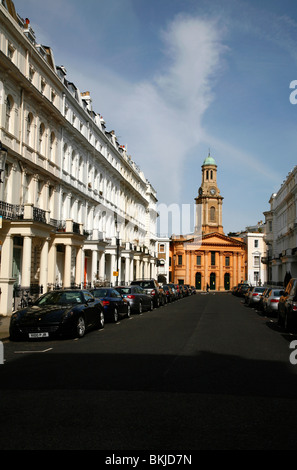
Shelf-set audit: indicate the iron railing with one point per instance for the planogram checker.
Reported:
(23, 295)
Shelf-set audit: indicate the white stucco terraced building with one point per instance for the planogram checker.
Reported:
(281, 231)
(75, 208)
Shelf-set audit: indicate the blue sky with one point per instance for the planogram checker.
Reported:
(175, 78)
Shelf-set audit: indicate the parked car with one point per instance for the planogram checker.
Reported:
(271, 300)
(254, 295)
(174, 290)
(246, 295)
(189, 288)
(287, 306)
(179, 290)
(58, 313)
(183, 290)
(234, 290)
(242, 289)
(138, 299)
(260, 305)
(115, 306)
(170, 296)
(186, 290)
(152, 288)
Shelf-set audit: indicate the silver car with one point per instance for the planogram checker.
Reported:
(255, 295)
(270, 303)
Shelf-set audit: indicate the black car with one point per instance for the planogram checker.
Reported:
(115, 306)
(152, 288)
(169, 293)
(174, 290)
(138, 299)
(287, 306)
(242, 290)
(58, 313)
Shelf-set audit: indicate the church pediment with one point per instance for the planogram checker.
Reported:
(216, 238)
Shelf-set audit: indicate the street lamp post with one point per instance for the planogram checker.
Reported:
(118, 254)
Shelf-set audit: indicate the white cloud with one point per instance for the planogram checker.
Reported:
(160, 120)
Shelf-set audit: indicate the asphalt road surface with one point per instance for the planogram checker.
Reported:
(203, 373)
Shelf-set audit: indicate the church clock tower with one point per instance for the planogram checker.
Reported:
(209, 201)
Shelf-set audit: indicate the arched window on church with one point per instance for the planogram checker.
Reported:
(212, 214)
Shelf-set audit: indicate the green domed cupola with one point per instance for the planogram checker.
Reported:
(209, 161)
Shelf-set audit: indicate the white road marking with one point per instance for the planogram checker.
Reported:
(28, 352)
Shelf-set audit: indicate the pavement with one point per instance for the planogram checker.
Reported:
(4, 327)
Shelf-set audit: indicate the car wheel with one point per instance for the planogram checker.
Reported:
(140, 308)
(115, 315)
(287, 322)
(80, 327)
(101, 321)
(129, 311)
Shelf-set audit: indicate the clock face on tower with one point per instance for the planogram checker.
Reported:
(212, 191)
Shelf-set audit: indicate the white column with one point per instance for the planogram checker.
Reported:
(137, 268)
(127, 270)
(94, 265)
(52, 264)
(26, 262)
(67, 267)
(6, 257)
(6, 281)
(131, 270)
(43, 280)
(78, 266)
(102, 266)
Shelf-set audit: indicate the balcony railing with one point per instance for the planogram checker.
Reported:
(11, 211)
(39, 215)
(18, 212)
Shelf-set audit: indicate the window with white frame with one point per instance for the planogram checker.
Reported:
(52, 146)
(29, 128)
(42, 139)
(8, 109)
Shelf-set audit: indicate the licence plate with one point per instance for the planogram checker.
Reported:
(38, 335)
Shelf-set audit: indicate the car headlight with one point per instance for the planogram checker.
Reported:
(15, 316)
(67, 315)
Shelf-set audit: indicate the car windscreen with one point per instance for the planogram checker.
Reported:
(101, 293)
(145, 284)
(59, 298)
(124, 290)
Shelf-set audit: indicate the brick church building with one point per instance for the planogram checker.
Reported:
(207, 257)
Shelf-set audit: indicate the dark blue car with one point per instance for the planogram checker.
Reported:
(114, 305)
(58, 313)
